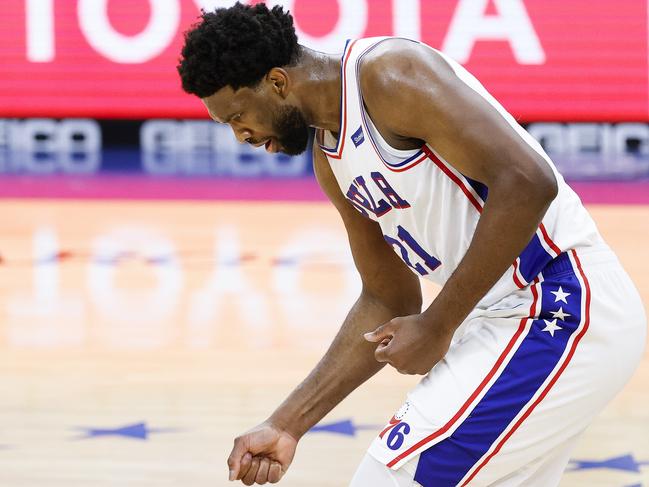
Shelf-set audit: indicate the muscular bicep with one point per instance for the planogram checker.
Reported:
(414, 93)
(384, 276)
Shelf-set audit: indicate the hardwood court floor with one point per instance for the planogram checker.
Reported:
(138, 338)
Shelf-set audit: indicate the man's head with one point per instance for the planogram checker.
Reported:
(234, 60)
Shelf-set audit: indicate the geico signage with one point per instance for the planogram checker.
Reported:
(45, 145)
(596, 150)
(196, 147)
(471, 21)
(601, 139)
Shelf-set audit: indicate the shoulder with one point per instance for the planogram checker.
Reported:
(398, 63)
(400, 78)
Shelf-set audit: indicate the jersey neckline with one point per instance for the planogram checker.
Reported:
(340, 142)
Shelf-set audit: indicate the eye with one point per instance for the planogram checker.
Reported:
(236, 117)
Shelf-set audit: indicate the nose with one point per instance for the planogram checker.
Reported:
(241, 134)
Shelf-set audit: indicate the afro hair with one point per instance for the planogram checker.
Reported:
(236, 47)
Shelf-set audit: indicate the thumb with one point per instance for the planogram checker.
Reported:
(382, 332)
(239, 449)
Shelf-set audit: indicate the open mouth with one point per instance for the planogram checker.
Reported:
(269, 144)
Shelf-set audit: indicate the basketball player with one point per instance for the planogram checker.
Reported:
(537, 326)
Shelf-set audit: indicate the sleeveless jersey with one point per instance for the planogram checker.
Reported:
(427, 210)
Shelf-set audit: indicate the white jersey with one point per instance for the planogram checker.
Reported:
(427, 210)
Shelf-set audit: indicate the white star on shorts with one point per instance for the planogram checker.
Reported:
(551, 326)
(559, 295)
(560, 314)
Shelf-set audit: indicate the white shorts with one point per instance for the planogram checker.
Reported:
(522, 379)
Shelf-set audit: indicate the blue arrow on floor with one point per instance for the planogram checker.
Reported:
(136, 431)
(625, 463)
(345, 427)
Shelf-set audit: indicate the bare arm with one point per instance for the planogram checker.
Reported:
(389, 289)
(406, 78)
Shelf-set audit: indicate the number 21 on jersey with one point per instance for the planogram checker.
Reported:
(406, 245)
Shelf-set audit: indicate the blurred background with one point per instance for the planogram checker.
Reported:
(163, 287)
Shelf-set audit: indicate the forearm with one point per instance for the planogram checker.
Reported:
(348, 363)
(508, 221)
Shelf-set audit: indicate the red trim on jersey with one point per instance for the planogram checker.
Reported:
(338, 152)
(552, 381)
(481, 386)
(438, 162)
(401, 169)
(549, 241)
(517, 281)
(445, 169)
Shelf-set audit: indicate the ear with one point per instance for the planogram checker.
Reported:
(279, 81)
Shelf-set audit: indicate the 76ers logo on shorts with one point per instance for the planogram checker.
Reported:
(396, 429)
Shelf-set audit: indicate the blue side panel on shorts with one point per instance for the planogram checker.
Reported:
(533, 259)
(447, 462)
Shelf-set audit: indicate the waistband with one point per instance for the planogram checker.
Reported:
(587, 256)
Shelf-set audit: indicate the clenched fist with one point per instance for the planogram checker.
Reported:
(261, 455)
(411, 344)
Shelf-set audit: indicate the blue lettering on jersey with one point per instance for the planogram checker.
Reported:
(357, 137)
(407, 244)
(392, 196)
(365, 202)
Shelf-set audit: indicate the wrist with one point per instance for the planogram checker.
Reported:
(288, 423)
(438, 321)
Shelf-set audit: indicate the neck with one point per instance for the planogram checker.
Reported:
(317, 88)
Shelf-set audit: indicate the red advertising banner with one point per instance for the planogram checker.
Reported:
(559, 60)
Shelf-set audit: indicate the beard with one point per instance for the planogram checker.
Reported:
(292, 130)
